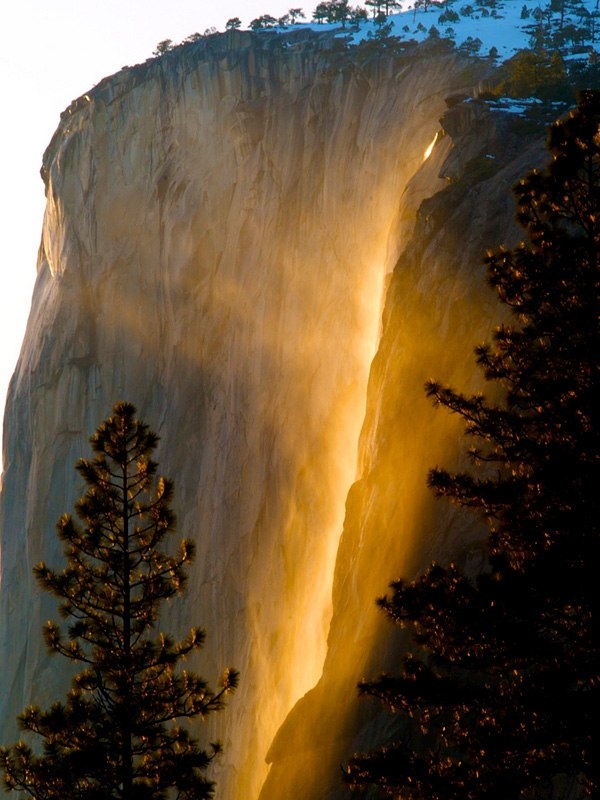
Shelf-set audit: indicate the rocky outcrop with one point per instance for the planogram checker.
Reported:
(437, 309)
(219, 227)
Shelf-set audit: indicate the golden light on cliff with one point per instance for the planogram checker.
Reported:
(429, 150)
(234, 292)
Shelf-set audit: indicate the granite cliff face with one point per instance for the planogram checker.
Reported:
(219, 227)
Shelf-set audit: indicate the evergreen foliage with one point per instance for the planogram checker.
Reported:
(296, 14)
(163, 47)
(495, 698)
(385, 7)
(536, 73)
(262, 22)
(333, 11)
(118, 734)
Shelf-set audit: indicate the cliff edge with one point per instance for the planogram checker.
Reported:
(220, 231)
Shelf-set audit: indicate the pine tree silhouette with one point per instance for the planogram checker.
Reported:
(495, 697)
(118, 734)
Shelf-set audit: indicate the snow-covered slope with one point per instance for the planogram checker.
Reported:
(505, 26)
(479, 26)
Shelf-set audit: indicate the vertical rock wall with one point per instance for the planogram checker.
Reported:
(219, 225)
(437, 309)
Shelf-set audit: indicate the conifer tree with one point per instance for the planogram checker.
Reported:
(495, 697)
(122, 732)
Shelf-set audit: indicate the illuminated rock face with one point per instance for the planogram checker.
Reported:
(437, 309)
(218, 229)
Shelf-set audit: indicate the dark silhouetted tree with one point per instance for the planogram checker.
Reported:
(163, 47)
(321, 12)
(391, 6)
(296, 14)
(386, 7)
(358, 15)
(118, 735)
(376, 6)
(263, 22)
(535, 72)
(333, 11)
(496, 696)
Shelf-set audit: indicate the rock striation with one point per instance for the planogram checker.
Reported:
(221, 228)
